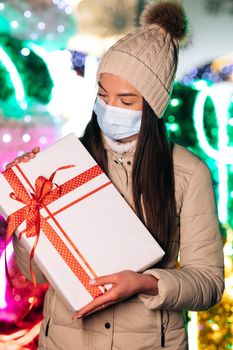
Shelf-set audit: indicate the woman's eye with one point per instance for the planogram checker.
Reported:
(127, 103)
(102, 95)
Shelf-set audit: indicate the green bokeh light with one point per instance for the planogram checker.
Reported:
(175, 102)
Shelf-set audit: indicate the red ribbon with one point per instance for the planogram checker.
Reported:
(46, 192)
(34, 203)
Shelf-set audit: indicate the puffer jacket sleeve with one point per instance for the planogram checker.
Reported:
(199, 283)
(23, 261)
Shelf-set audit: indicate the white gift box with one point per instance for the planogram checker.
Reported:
(88, 231)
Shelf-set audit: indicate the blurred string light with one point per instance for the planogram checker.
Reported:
(175, 102)
(27, 14)
(34, 36)
(23, 105)
(66, 5)
(173, 127)
(60, 28)
(14, 24)
(6, 138)
(43, 140)
(171, 118)
(26, 137)
(27, 118)
(41, 25)
(221, 95)
(25, 51)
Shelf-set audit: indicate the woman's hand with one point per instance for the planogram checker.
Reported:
(25, 157)
(124, 285)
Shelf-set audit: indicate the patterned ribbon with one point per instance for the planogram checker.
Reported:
(44, 194)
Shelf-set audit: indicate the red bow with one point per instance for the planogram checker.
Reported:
(34, 202)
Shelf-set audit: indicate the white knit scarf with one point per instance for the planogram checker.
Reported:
(119, 147)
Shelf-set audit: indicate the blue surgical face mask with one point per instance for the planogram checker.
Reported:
(117, 123)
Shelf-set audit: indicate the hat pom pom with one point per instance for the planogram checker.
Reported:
(169, 15)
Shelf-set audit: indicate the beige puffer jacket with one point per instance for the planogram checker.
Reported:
(148, 322)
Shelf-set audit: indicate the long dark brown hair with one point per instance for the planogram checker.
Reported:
(152, 175)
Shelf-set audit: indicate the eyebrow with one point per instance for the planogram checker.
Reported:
(120, 95)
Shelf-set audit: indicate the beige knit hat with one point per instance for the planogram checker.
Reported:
(148, 57)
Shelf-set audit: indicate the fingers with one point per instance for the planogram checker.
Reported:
(124, 285)
(24, 158)
(95, 305)
(106, 299)
(100, 308)
(36, 149)
(9, 165)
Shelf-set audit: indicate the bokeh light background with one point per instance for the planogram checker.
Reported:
(49, 53)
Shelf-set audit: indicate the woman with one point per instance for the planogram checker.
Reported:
(169, 188)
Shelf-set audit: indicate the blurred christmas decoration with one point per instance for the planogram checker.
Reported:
(24, 76)
(25, 339)
(102, 22)
(46, 22)
(210, 135)
(27, 30)
(78, 62)
(218, 6)
(140, 7)
(222, 63)
(200, 116)
(216, 324)
(211, 72)
(17, 138)
(17, 334)
(26, 90)
(108, 19)
(37, 82)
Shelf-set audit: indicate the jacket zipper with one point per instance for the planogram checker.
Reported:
(126, 173)
(162, 341)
